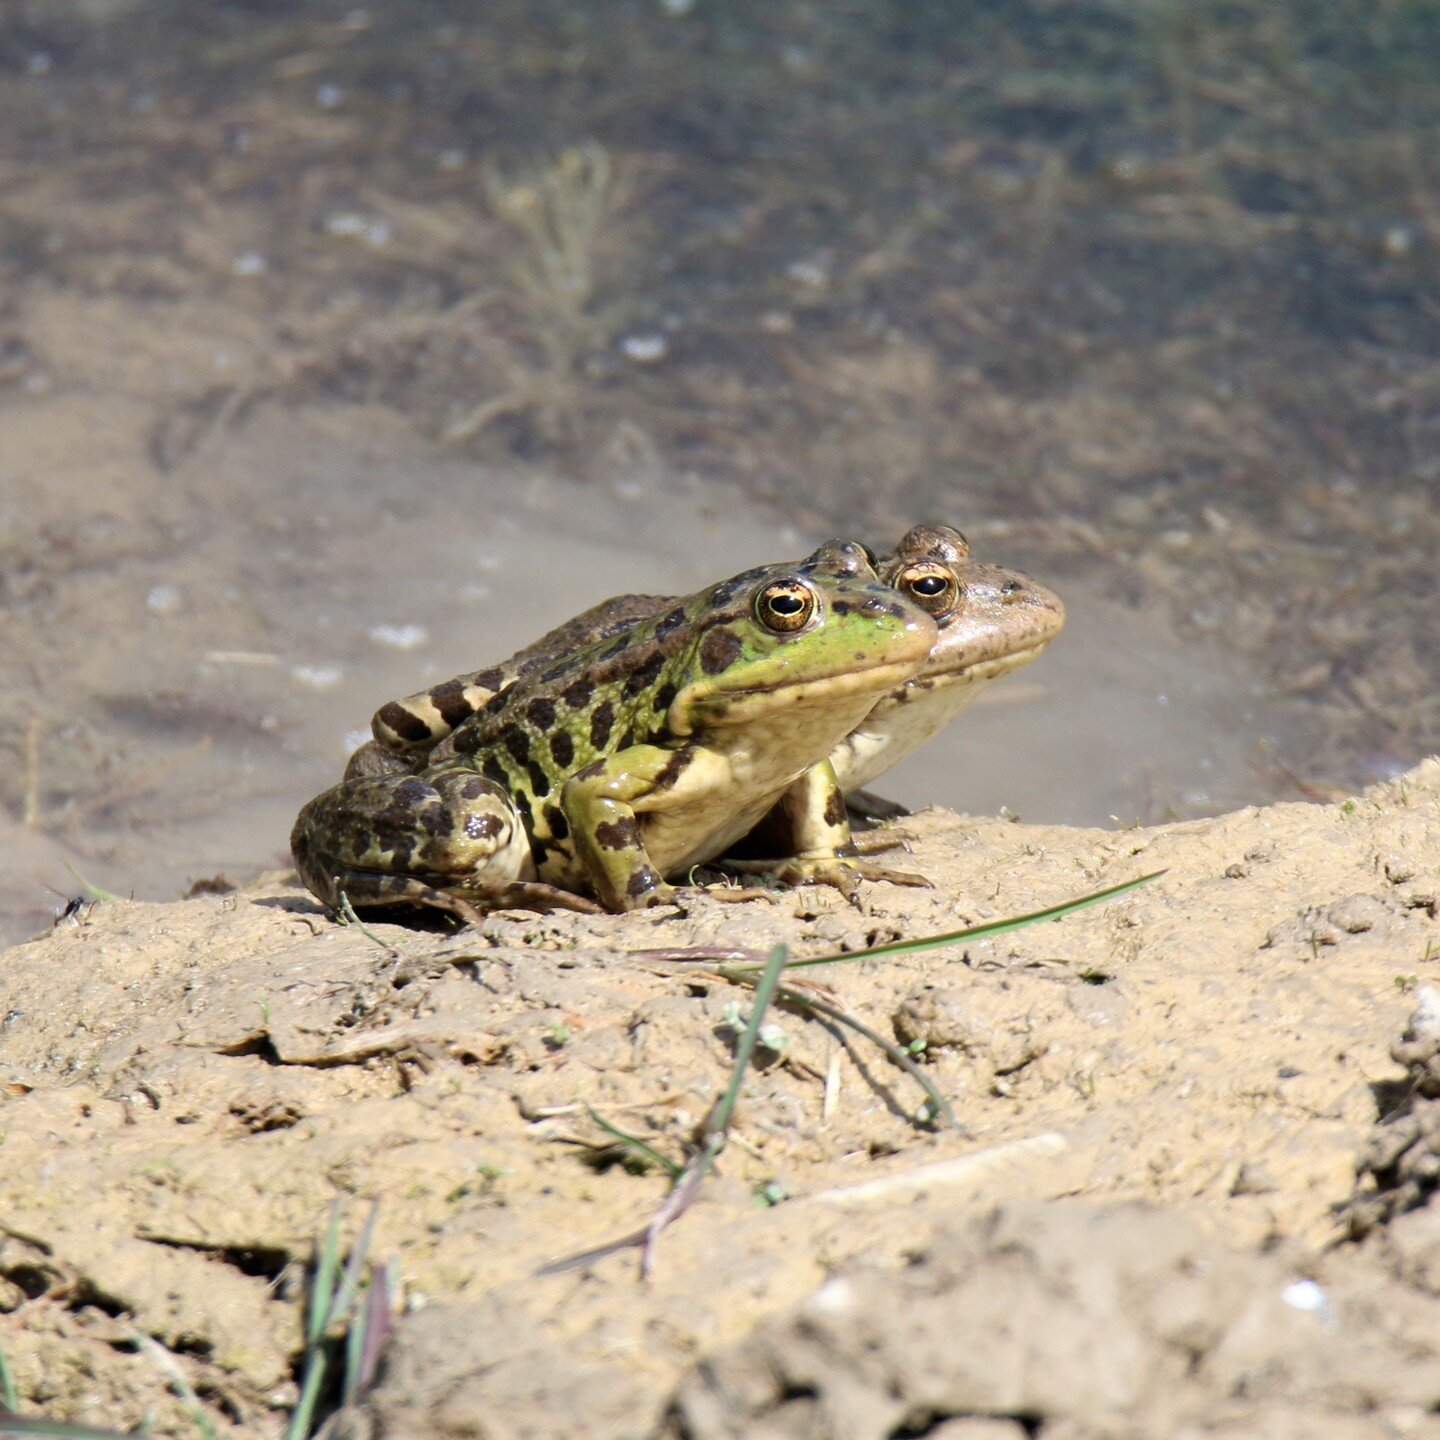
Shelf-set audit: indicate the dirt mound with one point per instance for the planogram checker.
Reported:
(188, 1087)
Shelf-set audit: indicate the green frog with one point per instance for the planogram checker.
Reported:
(617, 764)
(991, 621)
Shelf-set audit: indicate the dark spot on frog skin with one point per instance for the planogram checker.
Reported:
(722, 595)
(664, 698)
(539, 780)
(483, 827)
(522, 804)
(591, 771)
(516, 741)
(669, 622)
(674, 768)
(617, 646)
(577, 694)
(562, 749)
(555, 819)
(627, 739)
(644, 676)
(835, 808)
(541, 712)
(841, 607)
(410, 792)
(719, 650)
(433, 819)
(645, 879)
(601, 723)
(621, 834)
(396, 718)
(473, 788)
(494, 771)
(452, 702)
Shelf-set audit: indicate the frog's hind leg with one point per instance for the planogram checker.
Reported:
(449, 840)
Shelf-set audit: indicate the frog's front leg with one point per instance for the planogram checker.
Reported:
(808, 829)
(600, 804)
(447, 839)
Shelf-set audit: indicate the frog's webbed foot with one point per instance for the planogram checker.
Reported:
(731, 894)
(536, 895)
(364, 890)
(868, 806)
(469, 902)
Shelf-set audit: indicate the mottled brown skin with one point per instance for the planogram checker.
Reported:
(991, 621)
(635, 757)
(407, 730)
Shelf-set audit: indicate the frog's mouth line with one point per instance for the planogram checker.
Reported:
(735, 707)
(979, 671)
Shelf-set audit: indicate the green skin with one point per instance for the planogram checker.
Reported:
(991, 621)
(635, 757)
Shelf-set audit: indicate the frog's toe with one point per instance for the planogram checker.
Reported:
(843, 873)
(535, 895)
(892, 877)
(358, 890)
(872, 842)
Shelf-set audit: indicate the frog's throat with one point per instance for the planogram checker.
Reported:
(707, 706)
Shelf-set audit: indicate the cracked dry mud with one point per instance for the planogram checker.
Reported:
(1169, 1093)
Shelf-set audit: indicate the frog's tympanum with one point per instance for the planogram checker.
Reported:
(611, 766)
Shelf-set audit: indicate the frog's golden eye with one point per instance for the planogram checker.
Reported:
(784, 606)
(932, 587)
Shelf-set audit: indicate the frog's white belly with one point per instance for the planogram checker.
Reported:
(899, 724)
(731, 783)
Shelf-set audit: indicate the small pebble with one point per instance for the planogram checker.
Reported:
(399, 637)
(317, 677)
(163, 600)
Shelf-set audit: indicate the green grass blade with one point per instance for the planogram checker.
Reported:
(59, 1429)
(939, 1105)
(634, 1142)
(764, 992)
(349, 1286)
(303, 1416)
(96, 893)
(322, 1287)
(355, 1338)
(9, 1399)
(976, 932)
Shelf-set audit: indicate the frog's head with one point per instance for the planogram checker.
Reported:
(991, 620)
(790, 637)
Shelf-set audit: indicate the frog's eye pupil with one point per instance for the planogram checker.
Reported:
(930, 585)
(785, 607)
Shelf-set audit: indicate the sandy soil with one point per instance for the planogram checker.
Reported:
(1164, 1100)
(297, 414)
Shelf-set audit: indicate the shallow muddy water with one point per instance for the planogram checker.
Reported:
(342, 349)
(366, 566)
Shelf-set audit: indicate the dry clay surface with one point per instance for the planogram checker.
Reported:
(1163, 1101)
